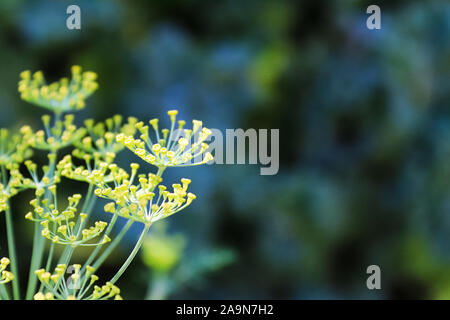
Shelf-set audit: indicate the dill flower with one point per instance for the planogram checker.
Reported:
(61, 96)
(139, 202)
(171, 148)
(95, 173)
(101, 138)
(59, 225)
(60, 135)
(18, 182)
(4, 197)
(78, 287)
(12, 148)
(5, 276)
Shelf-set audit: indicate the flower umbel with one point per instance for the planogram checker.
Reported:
(101, 139)
(53, 138)
(141, 202)
(78, 287)
(60, 226)
(172, 148)
(94, 173)
(61, 96)
(12, 148)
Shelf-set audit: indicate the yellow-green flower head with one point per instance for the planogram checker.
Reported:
(4, 197)
(170, 148)
(13, 148)
(145, 201)
(16, 182)
(61, 96)
(5, 276)
(59, 226)
(59, 135)
(101, 139)
(95, 172)
(80, 286)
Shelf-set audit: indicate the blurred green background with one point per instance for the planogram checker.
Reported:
(364, 123)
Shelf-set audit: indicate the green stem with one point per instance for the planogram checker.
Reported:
(49, 258)
(12, 254)
(36, 260)
(39, 241)
(112, 246)
(68, 250)
(99, 247)
(11, 243)
(160, 287)
(131, 256)
(4, 293)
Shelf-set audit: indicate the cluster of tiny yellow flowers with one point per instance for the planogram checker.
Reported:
(78, 287)
(95, 174)
(16, 182)
(4, 197)
(101, 139)
(5, 276)
(60, 226)
(62, 96)
(13, 151)
(53, 138)
(172, 148)
(34, 182)
(12, 148)
(141, 202)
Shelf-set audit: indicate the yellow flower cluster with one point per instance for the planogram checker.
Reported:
(46, 277)
(59, 226)
(4, 197)
(12, 148)
(62, 96)
(139, 202)
(78, 287)
(172, 148)
(99, 173)
(101, 139)
(5, 276)
(16, 182)
(13, 151)
(60, 135)
(48, 179)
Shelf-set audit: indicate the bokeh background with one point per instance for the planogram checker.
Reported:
(364, 123)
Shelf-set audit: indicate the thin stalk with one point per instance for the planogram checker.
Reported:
(11, 243)
(12, 254)
(68, 250)
(132, 255)
(4, 293)
(160, 287)
(112, 246)
(49, 258)
(99, 247)
(36, 260)
(39, 241)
